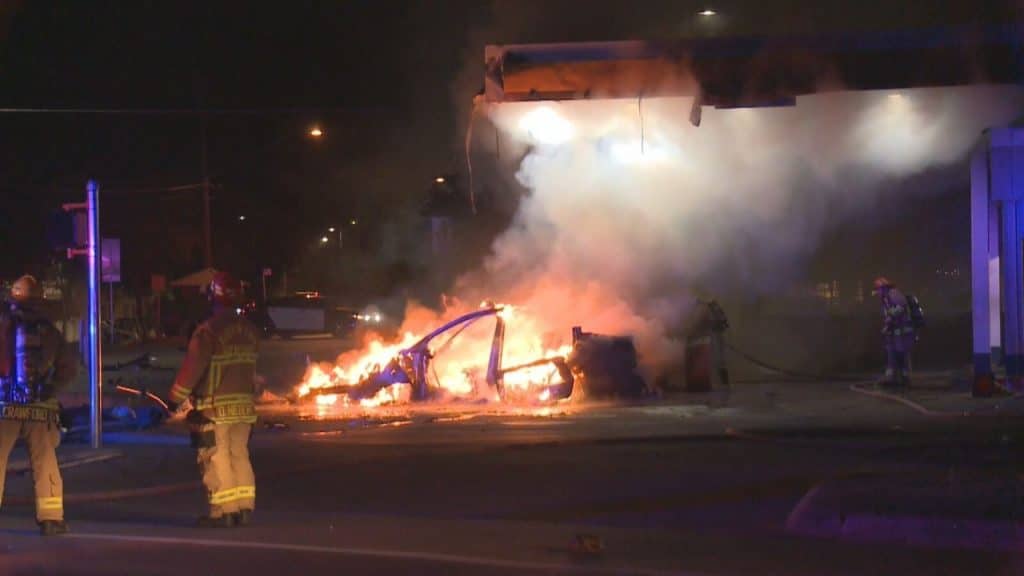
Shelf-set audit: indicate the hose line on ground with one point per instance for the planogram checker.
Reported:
(791, 373)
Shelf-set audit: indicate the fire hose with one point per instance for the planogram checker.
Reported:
(856, 386)
(143, 394)
(787, 372)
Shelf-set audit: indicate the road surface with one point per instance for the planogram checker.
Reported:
(779, 478)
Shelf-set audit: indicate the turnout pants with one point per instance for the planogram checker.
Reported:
(897, 366)
(42, 439)
(223, 457)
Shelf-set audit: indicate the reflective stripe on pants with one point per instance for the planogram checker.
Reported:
(42, 439)
(227, 473)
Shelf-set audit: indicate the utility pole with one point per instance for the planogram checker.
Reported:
(207, 245)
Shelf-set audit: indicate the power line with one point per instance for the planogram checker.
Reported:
(182, 188)
(179, 111)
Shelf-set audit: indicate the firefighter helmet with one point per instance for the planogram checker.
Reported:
(224, 289)
(25, 288)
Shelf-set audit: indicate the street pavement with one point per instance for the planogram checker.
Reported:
(764, 478)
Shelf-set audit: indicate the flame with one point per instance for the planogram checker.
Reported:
(327, 400)
(459, 366)
(353, 367)
(390, 395)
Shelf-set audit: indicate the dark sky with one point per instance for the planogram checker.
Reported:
(379, 75)
(348, 66)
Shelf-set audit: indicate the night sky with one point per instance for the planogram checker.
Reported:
(387, 80)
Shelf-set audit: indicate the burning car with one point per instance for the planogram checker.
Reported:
(593, 365)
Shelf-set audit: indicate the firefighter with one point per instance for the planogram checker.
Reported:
(217, 381)
(712, 324)
(897, 331)
(719, 324)
(31, 368)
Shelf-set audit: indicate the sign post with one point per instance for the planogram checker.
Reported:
(110, 269)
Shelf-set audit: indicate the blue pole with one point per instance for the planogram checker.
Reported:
(981, 209)
(95, 379)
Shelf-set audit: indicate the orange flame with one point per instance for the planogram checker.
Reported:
(458, 367)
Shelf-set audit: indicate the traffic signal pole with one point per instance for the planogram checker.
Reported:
(93, 335)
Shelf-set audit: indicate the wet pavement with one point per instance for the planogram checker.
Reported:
(763, 478)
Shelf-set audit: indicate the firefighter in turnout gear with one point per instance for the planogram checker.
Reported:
(898, 331)
(217, 378)
(31, 368)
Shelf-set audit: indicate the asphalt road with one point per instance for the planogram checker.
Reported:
(767, 479)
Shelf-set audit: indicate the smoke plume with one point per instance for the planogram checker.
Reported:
(631, 208)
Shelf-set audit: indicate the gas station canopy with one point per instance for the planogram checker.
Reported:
(734, 72)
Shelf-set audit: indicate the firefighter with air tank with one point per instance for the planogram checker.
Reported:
(32, 367)
(217, 381)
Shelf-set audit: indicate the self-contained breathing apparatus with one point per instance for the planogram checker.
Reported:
(25, 371)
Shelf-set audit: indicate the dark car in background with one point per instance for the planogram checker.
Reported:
(303, 314)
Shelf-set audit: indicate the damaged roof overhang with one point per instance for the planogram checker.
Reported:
(729, 72)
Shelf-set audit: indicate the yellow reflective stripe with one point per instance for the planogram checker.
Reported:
(28, 412)
(219, 361)
(54, 503)
(223, 496)
(233, 358)
(245, 492)
(234, 411)
(212, 378)
(224, 400)
(235, 419)
(179, 392)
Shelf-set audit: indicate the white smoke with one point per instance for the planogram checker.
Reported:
(631, 207)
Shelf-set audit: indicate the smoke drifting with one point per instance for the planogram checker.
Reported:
(631, 208)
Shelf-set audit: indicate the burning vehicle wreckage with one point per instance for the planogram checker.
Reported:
(593, 366)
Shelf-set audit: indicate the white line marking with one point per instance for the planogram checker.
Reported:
(380, 553)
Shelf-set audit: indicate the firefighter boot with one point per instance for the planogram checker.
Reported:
(225, 521)
(53, 527)
(243, 517)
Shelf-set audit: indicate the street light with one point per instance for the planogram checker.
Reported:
(316, 132)
(331, 229)
(439, 179)
(354, 222)
(323, 239)
(241, 218)
(707, 12)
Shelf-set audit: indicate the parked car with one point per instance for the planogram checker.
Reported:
(303, 314)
